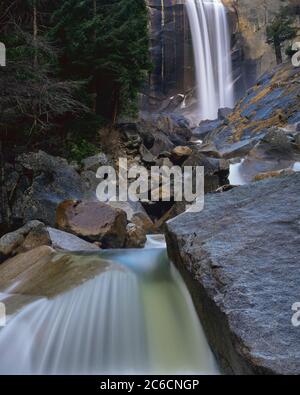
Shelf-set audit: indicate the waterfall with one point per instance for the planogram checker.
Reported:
(211, 43)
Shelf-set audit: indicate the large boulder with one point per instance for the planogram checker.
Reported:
(240, 258)
(216, 171)
(41, 182)
(93, 221)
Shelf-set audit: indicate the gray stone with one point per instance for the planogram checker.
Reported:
(135, 213)
(135, 237)
(240, 258)
(94, 162)
(49, 181)
(67, 242)
(10, 242)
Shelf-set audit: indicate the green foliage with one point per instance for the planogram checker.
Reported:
(80, 149)
(290, 52)
(106, 46)
(71, 64)
(280, 30)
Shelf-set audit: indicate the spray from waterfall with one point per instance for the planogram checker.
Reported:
(211, 43)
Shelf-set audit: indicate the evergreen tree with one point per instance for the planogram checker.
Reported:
(280, 30)
(31, 97)
(104, 43)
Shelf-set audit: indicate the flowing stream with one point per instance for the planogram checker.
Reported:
(132, 315)
(211, 43)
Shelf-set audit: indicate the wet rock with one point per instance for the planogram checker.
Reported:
(44, 273)
(240, 258)
(135, 237)
(93, 221)
(13, 267)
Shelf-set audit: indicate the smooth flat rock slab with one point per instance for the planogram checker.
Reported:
(241, 260)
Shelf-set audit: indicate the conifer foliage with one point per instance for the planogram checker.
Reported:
(70, 57)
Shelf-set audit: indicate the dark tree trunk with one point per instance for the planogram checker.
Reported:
(278, 52)
(35, 33)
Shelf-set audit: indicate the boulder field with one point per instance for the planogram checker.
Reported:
(240, 259)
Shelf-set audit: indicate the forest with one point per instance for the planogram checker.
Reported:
(68, 71)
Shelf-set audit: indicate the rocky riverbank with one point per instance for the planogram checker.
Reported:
(239, 256)
(240, 259)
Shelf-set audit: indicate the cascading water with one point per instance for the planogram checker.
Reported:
(211, 43)
(129, 313)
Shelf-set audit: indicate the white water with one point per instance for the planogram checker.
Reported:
(236, 176)
(137, 317)
(296, 166)
(211, 43)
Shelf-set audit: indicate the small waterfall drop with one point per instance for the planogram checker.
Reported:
(130, 313)
(211, 43)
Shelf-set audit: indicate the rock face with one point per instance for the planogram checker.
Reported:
(253, 17)
(273, 102)
(240, 258)
(93, 221)
(171, 51)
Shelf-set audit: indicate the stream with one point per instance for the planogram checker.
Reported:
(134, 317)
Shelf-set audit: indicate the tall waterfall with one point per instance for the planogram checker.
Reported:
(210, 35)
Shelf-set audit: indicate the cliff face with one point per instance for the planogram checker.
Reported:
(171, 50)
(253, 16)
(172, 53)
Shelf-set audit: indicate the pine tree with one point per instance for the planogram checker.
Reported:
(104, 43)
(280, 30)
(31, 97)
